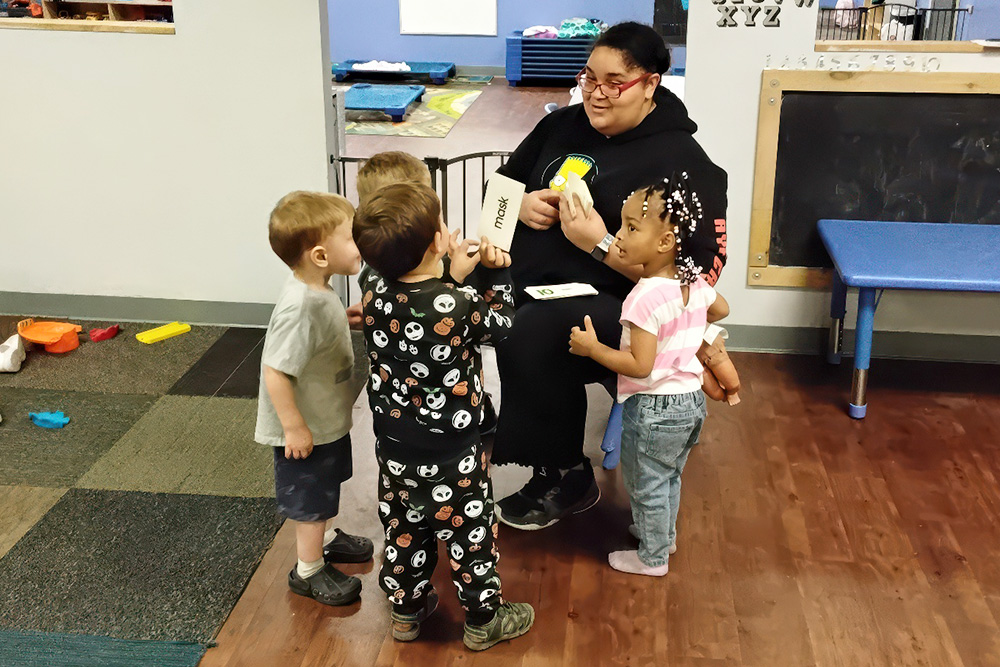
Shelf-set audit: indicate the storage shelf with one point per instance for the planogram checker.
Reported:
(83, 25)
(153, 17)
(536, 58)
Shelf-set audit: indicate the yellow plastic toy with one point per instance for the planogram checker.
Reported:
(57, 337)
(162, 333)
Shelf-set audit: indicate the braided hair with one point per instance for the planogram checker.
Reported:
(681, 208)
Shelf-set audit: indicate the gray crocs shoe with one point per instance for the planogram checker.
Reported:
(329, 586)
(346, 548)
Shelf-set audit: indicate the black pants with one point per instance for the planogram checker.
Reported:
(543, 397)
(451, 501)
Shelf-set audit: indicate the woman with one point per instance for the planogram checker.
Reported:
(629, 132)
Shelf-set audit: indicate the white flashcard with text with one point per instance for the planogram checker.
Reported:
(563, 291)
(501, 206)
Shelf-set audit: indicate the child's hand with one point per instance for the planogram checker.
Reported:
(492, 256)
(355, 316)
(461, 261)
(298, 443)
(583, 342)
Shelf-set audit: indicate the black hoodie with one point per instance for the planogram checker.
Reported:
(662, 143)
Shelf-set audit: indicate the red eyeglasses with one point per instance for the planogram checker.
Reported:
(611, 90)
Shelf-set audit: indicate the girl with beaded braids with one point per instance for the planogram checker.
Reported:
(659, 376)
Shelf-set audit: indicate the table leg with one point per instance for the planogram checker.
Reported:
(838, 308)
(862, 352)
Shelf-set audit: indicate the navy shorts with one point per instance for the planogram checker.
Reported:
(309, 489)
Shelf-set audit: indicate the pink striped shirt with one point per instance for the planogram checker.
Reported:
(656, 305)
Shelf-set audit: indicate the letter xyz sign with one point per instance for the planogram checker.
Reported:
(753, 13)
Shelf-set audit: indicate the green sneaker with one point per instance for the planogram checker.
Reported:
(406, 627)
(513, 619)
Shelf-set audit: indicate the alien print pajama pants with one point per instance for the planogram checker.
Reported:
(450, 501)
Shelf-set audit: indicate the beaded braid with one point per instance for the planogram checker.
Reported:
(684, 208)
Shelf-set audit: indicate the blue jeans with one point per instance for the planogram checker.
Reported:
(658, 433)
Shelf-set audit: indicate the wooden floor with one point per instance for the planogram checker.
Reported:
(805, 538)
(497, 121)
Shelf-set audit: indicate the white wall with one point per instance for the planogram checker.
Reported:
(146, 165)
(723, 92)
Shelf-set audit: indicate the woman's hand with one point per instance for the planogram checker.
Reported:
(462, 262)
(492, 256)
(538, 209)
(583, 230)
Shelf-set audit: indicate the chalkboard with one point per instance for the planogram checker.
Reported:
(874, 156)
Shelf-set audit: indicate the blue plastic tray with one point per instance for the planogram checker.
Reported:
(392, 100)
(437, 72)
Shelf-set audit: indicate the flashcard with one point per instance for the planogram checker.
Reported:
(577, 186)
(566, 290)
(501, 206)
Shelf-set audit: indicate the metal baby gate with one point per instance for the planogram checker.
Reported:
(459, 181)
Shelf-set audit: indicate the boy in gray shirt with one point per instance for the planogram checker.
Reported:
(306, 394)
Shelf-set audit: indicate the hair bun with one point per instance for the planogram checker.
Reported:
(663, 62)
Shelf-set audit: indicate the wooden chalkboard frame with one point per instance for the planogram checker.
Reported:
(774, 84)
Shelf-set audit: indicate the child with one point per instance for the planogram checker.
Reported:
(306, 393)
(387, 168)
(384, 169)
(659, 377)
(426, 384)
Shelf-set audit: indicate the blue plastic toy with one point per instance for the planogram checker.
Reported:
(49, 419)
(612, 443)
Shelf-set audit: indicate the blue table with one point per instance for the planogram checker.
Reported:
(874, 256)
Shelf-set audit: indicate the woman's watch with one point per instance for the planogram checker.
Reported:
(600, 251)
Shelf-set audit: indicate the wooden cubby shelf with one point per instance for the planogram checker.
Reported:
(138, 16)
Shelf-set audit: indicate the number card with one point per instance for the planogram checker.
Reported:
(566, 290)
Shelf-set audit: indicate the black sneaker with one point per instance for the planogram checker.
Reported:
(515, 509)
(346, 548)
(575, 492)
(406, 627)
(329, 586)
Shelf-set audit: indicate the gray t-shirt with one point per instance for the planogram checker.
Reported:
(308, 339)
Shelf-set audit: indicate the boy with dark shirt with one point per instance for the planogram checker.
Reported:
(426, 386)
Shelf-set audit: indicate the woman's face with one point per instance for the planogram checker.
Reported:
(614, 116)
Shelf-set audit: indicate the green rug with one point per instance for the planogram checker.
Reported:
(40, 649)
(137, 566)
(189, 444)
(58, 457)
(438, 111)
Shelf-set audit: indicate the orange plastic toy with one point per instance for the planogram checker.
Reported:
(55, 336)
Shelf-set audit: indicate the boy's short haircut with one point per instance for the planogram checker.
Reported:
(390, 167)
(395, 227)
(302, 219)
